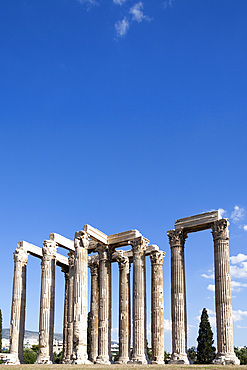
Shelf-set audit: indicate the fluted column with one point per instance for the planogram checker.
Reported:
(104, 347)
(47, 300)
(80, 298)
(223, 295)
(65, 317)
(70, 310)
(94, 311)
(124, 310)
(178, 298)
(139, 335)
(17, 324)
(157, 307)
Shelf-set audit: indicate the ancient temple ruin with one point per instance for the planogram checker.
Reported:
(94, 249)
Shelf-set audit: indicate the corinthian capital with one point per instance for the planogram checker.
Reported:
(94, 268)
(123, 262)
(49, 249)
(81, 239)
(139, 245)
(220, 229)
(20, 254)
(71, 260)
(176, 238)
(157, 257)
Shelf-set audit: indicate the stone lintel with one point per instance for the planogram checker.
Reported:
(199, 222)
(63, 242)
(95, 234)
(123, 238)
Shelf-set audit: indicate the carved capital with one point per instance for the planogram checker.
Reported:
(123, 262)
(157, 257)
(176, 237)
(81, 239)
(94, 268)
(104, 252)
(220, 229)
(49, 250)
(21, 255)
(71, 260)
(139, 245)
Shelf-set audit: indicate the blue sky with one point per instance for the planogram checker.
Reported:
(124, 114)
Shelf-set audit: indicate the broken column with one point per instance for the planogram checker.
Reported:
(157, 307)
(17, 324)
(139, 336)
(223, 297)
(94, 311)
(80, 298)
(178, 298)
(47, 301)
(124, 309)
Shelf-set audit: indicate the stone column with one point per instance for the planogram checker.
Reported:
(104, 347)
(47, 300)
(65, 317)
(178, 298)
(223, 295)
(80, 298)
(157, 307)
(139, 335)
(124, 310)
(17, 324)
(94, 311)
(70, 310)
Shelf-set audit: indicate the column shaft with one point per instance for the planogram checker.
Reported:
(65, 317)
(157, 308)
(223, 296)
(124, 309)
(17, 324)
(70, 310)
(80, 298)
(178, 298)
(94, 312)
(104, 355)
(47, 298)
(139, 336)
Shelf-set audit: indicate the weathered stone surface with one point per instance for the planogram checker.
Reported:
(139, 302)
(199, 222)
(17, 324)
(94, 311)
(70, 310)
(223, 297)
(123, 238)
(178, 298)
(47, 298)
(104, 348)
(157, 307)
(80, 298)
(62, 241)
(65, 317)
(95, 234)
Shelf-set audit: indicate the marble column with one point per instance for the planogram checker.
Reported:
(47, 301)
(223, 297)
(94, 311)
(70, 310)
(104, 344)
(17, 324)
(65, 316)
(80, 298)
(139, 344)
(157, 307)
(124, 310)
(178, 298)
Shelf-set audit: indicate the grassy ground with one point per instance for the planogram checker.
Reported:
(127, 367)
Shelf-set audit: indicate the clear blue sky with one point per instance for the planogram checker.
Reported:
(124, 114)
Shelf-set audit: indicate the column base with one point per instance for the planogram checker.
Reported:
(158, 361)
(43, 361)
(123, 360)
(103, 360)
(139, 360)
(81, 362)
(12, 359)
(179, 358)
(226, 359)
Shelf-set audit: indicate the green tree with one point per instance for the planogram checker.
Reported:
(205, 348)
(167, 357)
(149, 352)
(242, 355)
(192, 354)
(1, 330)
(57, 357)
(29, 356)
